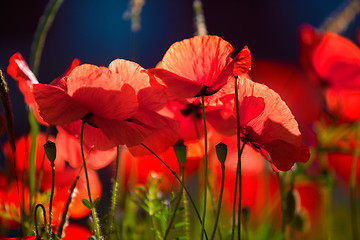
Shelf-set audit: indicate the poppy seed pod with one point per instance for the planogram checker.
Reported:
(50, 151)
(180, 151)
(221, 152)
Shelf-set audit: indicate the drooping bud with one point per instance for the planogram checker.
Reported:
(221, 152)
(50, 151)
(180, 151)
(292, 204)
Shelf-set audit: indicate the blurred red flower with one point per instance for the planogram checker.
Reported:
(265, 121)
(76, 231)
(200, 65)
(303, 99)
(333, 62)
(118, 103)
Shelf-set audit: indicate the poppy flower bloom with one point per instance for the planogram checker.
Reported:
(20, 71)
(200, 65)
(333, 61)
(189, 116)
(266, 122)
(118, 103)
(303, 99)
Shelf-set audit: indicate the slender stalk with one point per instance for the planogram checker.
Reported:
(240, 150)
(9, 119)
(352, 183)
(114, 191)
(35, 219)
(220, 200)
(51, 197)
(283, 204)
(181, 182)
(186, 216)
(177, 202)
(205, 165)
(41, 32)
(93, 211)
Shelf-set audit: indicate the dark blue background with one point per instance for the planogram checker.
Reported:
(95, 32)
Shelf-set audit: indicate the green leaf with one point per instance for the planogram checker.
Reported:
(96, 201)
(86, 203)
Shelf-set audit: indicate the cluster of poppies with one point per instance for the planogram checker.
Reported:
(141, 109)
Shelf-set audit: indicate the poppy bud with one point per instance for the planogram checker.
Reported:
(50, 151)
(180, 151)
(292, 204)
(246, 213)
(300, 222)
(221, 152)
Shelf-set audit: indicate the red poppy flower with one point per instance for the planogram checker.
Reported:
(20, 71)
(304, 100)
(265, 121)
(332, 59)
(200, 65)
(118, 103)
(344, 104)
(187, 114)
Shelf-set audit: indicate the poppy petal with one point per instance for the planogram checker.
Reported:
(56, 106)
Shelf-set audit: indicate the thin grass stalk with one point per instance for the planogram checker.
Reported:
(41, 33)
(9, 119)
(352, 185)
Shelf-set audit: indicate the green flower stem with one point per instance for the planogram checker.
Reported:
(205, 165)
(283, 204)
(177, 204)
(35, 219)
(237, 183)
(114, 192)
(181, 182)
(238, 178)
(93, 211)
(352, 183)
(41, 32)
(51, 196)
(220, 200)
(186, 217)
